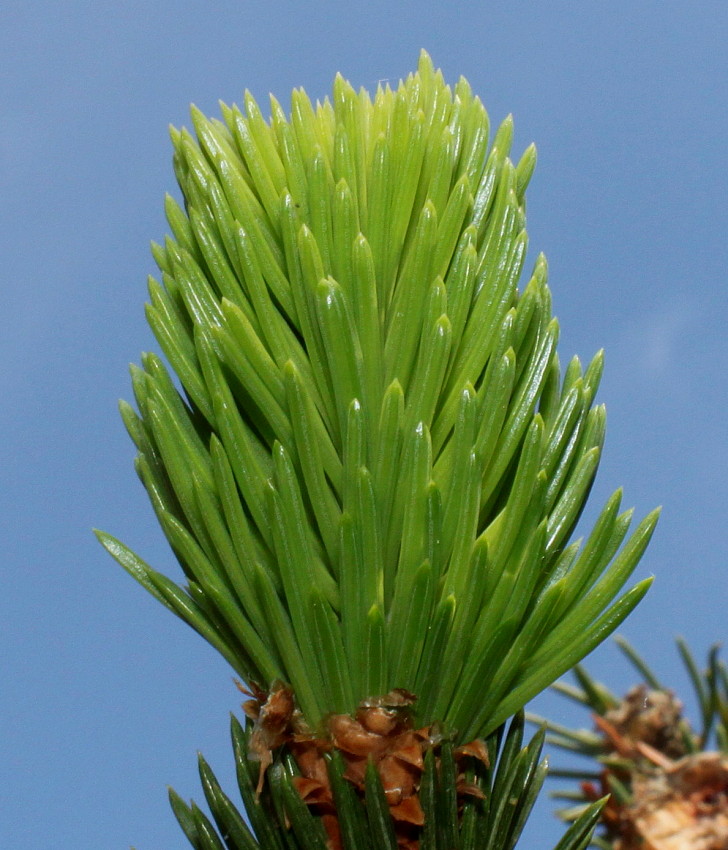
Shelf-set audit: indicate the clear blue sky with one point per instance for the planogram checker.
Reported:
(105, 696)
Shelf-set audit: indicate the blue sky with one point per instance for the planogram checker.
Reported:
(106, 697)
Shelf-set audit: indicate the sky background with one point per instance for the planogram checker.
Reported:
(106, 697)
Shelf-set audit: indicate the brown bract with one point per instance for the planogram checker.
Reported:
(381, 732)
(272, 716)
(677, 801)
(652, 717)
(682, 808)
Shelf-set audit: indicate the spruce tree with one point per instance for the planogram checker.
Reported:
(369, 465)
